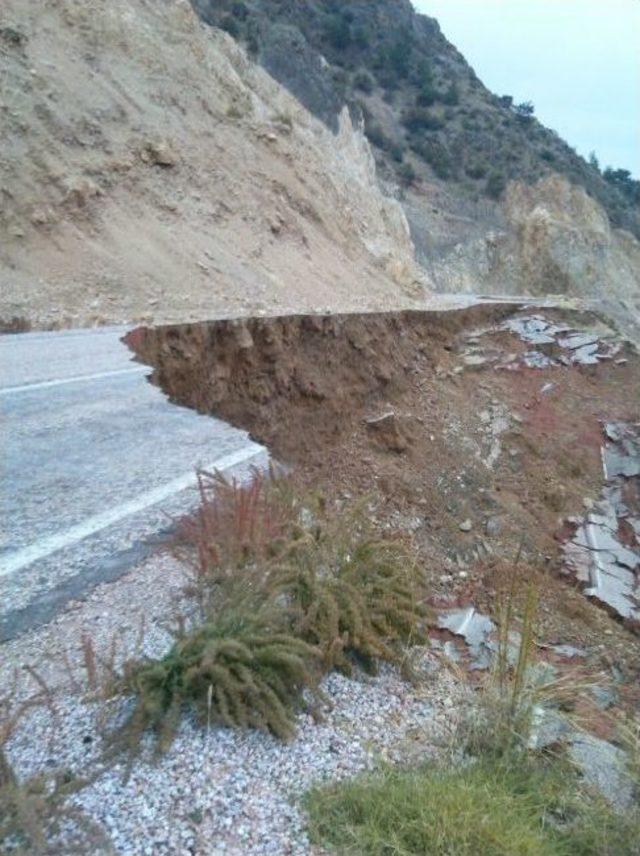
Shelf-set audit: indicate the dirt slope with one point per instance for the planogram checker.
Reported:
(482, 431)
(150, 172)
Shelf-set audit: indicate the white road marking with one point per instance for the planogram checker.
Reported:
(9, 390)
(40, 550)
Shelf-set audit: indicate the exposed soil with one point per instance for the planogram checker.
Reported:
(481, 463)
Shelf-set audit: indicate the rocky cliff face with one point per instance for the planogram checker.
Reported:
(554, 239)
(150, 171)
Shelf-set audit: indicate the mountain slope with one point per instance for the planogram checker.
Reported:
(149, 171)
(426, 111)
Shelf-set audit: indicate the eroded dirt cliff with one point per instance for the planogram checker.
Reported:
(481, 431)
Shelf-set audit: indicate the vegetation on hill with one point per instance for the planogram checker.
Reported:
(425, 110)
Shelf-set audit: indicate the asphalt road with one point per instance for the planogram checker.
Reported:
(96, 463)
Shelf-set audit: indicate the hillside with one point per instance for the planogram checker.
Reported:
(426, 112)
(151, 172)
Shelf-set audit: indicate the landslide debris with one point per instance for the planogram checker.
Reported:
(446, 420)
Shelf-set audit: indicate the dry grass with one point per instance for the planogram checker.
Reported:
(36, 815)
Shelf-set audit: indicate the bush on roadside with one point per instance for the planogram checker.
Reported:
(288, 590)
(239, 670)
(353, 596)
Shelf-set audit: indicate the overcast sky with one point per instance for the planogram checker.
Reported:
(577, 60)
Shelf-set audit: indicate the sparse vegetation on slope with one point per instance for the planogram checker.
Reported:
(495, 795)
(416, 93)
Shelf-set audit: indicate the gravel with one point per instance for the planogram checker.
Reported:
(219, 791)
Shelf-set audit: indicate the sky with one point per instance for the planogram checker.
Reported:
(578, 61)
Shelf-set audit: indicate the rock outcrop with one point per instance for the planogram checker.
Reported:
(555, 239)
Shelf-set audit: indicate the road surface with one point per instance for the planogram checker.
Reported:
(95, 465)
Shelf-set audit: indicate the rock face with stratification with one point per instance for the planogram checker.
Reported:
(604, 553)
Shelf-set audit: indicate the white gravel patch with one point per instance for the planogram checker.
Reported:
(222, 791)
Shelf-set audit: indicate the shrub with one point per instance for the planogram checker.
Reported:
(240, 10)
(393, 61)
(451, 96)
(338, 586)
(363, 81)
(238, 670)
(427, 96)
(230, 25)
(378, 138)
(524, 111)
(476, 170)
(338, 32)
(361, 36)
(407, 173)
(621, 178)
(375, 135)
(399, 56)
(437, 156)
(234, 533)
(422, 74)
(353, 597)
(496, 185)
(287, 589)
(396, 150)
(421, 120)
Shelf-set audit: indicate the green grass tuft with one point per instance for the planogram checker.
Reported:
(523, 808)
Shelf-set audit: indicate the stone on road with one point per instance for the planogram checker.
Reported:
(96, 463)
